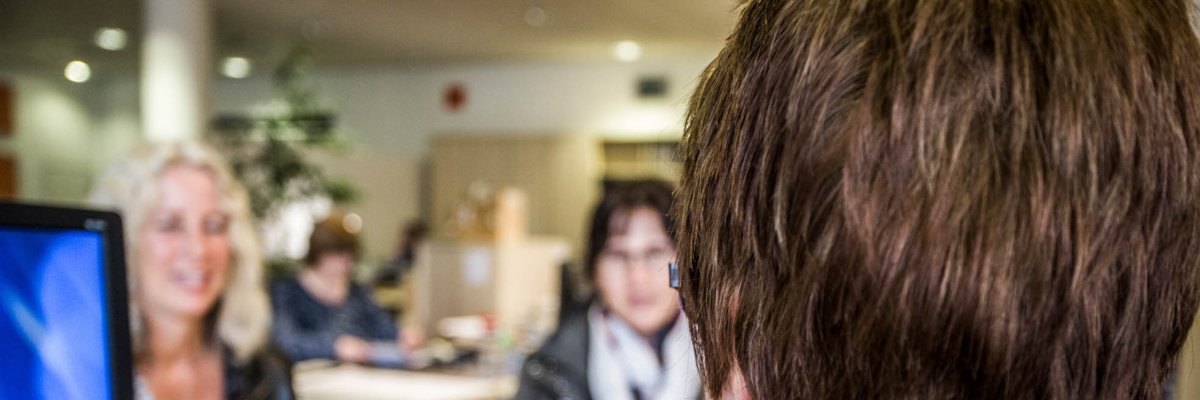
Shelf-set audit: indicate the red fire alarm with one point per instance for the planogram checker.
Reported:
(454, 98)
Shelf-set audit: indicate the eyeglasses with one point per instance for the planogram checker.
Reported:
(673, 277)
(623, 267)
(652, 259)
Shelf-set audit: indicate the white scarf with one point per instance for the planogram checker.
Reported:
(620, 360)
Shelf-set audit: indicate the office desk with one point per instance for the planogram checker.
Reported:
(354, 382)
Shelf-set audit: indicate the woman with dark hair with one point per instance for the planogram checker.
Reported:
(633, 342)
(944, 200)
(322, 314)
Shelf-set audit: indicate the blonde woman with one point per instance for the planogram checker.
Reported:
(200, 318)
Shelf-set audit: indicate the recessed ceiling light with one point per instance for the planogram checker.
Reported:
(77, 71)
(110, 38)
(352, 222)
(627, 51)
(536, 17)
(236, 67)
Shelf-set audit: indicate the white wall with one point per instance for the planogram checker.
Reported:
(388, 188)
(64, 132)
(592, 99)
(392, 114)
(399, 109)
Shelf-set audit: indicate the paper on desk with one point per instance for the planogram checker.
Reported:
(477, 267)
(352, 382)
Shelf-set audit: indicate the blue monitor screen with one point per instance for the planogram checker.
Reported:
(53, 327)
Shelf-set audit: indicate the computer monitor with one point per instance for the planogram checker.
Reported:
(64, 325)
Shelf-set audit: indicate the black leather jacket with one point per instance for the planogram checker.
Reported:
(266, 376)
(558, 371)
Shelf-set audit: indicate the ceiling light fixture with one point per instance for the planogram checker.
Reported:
(536, 17)
(236, 67)
(110, 38)
(77, 71)
(627, 51)
(352, 222)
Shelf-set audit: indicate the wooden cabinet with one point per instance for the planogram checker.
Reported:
(559, 173)
(8, 177)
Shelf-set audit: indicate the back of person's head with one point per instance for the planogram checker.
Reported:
(618, 200)
(944, 199)
(331, 235)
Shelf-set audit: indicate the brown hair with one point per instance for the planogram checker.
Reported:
(328, 236)
(944, 199)
(621, 197)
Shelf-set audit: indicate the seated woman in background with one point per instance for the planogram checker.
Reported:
(199, 314)
(322, 314)
(633, 343)
(944, 200)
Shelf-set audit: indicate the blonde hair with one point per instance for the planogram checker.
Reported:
(130, 186)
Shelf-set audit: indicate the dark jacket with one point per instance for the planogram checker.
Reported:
(558, 370)
(266, 376)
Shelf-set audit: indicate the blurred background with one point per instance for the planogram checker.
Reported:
(597, 86)
(487, 127)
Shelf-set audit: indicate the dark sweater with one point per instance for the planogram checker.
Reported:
(305, 328)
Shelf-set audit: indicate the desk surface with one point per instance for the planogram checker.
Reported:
(354, 382)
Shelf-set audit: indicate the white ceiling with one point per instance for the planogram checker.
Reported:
(48, 33)
(45, 33)
(356, 31)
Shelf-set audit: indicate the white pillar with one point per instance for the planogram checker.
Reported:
(176, 69)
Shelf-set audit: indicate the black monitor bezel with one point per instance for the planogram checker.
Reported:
(112, 230)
